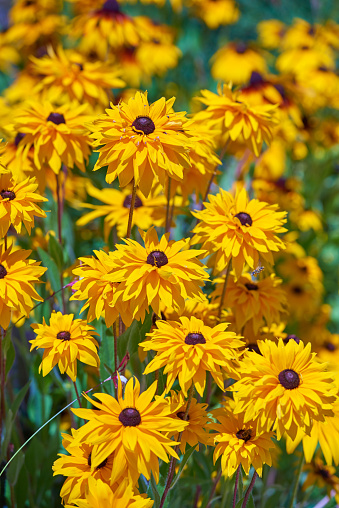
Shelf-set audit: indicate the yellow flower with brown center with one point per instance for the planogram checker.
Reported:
(239, 229)
(163, 271)
(68, 76)
(215, 12)
(284, 387)
(236, 119)
(253, 303)
(77, 467)
(133, 428)
(142, 142)
(187, 349)
(18, 203)
(100, 495)
(147, 212)
(103, 297)
(17, 276)
(65, 341)
(323, 476)
(271, 33)
(240, 443)
(197, 429)
(57, 134)
(235, 63)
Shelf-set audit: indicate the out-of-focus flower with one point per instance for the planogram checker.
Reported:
(65, 340)
(271, 33)
(215, 13)
(323, 476)
(235, 62)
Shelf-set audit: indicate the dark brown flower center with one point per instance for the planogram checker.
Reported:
(128, 201)
(297, 290)
(111, 6)
(245, 218)
(144, 124)
(241, 48)
(3, 272)
(7, 194)
(157, 258)
(64, 336)
(252, 346)
(292, 337)
(324, 473)
(195, 338)
(56, 118)
(289, 379)
(251, 286)
(256, 79)
(89, 462)
(181, 415)
(244, 434)
(18, 138)
(130, 417)
(329, 346)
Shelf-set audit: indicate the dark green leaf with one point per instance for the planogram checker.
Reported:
(182, 464)
(52, 273)
(10, 355)
(56, 252)
(14, 468)
(155, 493)
(8, 431)
(131, 338)
(19, 398)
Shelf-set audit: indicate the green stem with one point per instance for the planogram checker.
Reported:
(131, 210)
(77, 393)
(214, 487)
(296, 481)
(236, 486)
(222, 298)
(115, 345)
(60, 211)
(168, 220)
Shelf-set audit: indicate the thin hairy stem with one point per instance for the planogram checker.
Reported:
(214, 487)
(222, 298)
(249, 490)
(77, 393)
(60, 212)
(236, 486)
(296, 481)
(131, 210)
(168, 215)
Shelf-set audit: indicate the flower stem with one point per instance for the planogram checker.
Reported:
(171, 468)
(221, 156)
(249, 490)
(168, 218)
(214, 487)
(77, 393)
(236, 486)
(131, 210)
(296, 481)
(60, 210)
(222, 298)
(2, 381)
(115, 339)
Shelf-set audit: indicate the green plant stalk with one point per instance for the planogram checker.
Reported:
(296, 480)
(131, 210)
(60, 210)
(249, 490)
(222, 298)
(168, 218)
(214, 487)
(236, 486)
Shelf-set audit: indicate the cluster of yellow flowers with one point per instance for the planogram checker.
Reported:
(243, 344)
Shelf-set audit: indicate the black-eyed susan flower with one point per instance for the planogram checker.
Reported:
(285, 387)
(68, 76)
(240, 443)
(57, 134)
(103, 297)
(323, 476)
(187, 349)
(18, 203)
(236, 119)
(17, 277)
(197, 430)
(115, 210)
(239, 229)
(65, 341)
(77, 467)
(236, 62)
(100, 495)
(162, 271)
(142, 142)
(215, 13)
(253, 302)
(271, 33)
(133, 428)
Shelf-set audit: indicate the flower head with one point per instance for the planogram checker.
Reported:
(143, 142)
(188, 349)
(17, 276)
(132, 427)
(65, 340)
(161, 272)
(240, 230)
(285, 387)
(57, 134)
(235, 62)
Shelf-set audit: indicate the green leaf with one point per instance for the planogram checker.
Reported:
(131, 338)
(8, 431)
(9, 354)
(249, 504)
(52, 271)
(19, 398)
(56, 252)
(182, 464)
(155, 492)
(14, 468)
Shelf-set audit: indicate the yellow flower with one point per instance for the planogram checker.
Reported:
(67, 76)
(271, 32)
(133, 428)
(161, 272)
(188, 349)
(237, 120)
(284, 387)
(235, 63)
(103, 296)
(21, 165)
(157, 57)
(18, 203)
(240, 230)
(77, 467)
(143, 142)
(65, 340)
(216, 13)
(323, 476)
(17, 276)
(197, 431)
(240, 443)
(57, 134)
(253, 302)
(100, 495)
(147, 212)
